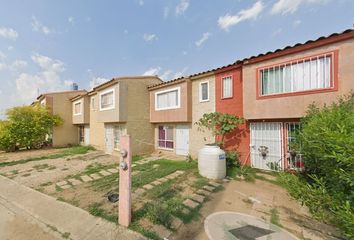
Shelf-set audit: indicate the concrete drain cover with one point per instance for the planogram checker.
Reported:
(238, 226)
(250, 232)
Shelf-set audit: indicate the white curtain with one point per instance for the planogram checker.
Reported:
(167, 99)
(227, 87)
(298, 76)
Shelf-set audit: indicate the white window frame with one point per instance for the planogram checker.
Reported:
(201, 92)
(293, 67)
(74, 104)
(222, 87)
(112, 90)
(166, 91)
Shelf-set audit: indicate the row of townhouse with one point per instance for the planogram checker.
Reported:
(270, 91)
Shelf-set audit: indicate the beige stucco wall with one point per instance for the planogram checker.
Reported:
(132, 110)
(197, 139)
(67, 132)
(118, 114)
(295, 106)
(84, 117)
(181, 114)
(97, 134)
(138, 116)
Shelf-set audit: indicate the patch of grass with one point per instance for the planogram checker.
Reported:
(200, 182)
(26, 175)
(96, 210)
(145, 232)
(136, 158)
(14, 172)
(106, 183)
(192, 215)
(164, 191)
(40, 166)
(65, 235)
(149, 174)
(53, 228)
(46, 184)
(58, 189)
(157, 214)
(276, 182)
(274, 217)
(66, 152)
(219, 188)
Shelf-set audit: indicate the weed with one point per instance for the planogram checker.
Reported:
(40, 166)
(156, 213)
(26, 175)
(106, 183)
(58, 189)
(96, 210)
(65, 235)
(149, 234)
(137, 158)
(14, 172)
(200, 182)
(274, 217)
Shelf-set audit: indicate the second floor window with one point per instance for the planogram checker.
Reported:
(227, 87)
(204, 92)
(77, 108)
(168, 99)
(297, 76)
(107, 100)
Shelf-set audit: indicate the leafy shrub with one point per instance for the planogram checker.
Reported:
(232, 159)
(220, 124)
(326, 141)
(26, 127)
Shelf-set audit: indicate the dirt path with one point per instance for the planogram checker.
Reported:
(265, 197)
(24, 154)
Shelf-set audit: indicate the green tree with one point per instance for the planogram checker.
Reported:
(26, 127)
(220, 124)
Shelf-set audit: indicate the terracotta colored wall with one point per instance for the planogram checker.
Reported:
(294, 106)
(239, 139)
(182, 114)
(198, 139)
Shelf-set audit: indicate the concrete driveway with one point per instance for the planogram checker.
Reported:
(26, 214)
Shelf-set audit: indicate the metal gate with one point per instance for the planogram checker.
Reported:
(266, 145)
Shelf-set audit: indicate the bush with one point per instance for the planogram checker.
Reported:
(26, 127)
(326, 140)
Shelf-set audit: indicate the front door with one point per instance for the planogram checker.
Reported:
(182, 140)
(266, 145)
(109, 139)
(87, 135)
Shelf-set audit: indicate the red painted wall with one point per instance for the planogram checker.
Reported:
(238, 140)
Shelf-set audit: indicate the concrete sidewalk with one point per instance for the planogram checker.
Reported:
(54, 217)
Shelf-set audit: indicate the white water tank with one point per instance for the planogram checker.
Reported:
(212, 162)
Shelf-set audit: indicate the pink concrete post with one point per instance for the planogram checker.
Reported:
(125, 182)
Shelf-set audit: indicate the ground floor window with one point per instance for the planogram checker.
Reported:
(82, 134)
(165, 137)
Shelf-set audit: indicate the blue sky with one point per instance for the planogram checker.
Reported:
(47, 45)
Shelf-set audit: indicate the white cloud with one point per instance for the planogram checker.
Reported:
(141, 2)
(8, 33)
(97, 81)
(68, 83)
(39, 27)
(184, 52)
(290, 6)
(166, 75)
(3, 66)
(71, 20)
(182, 7)
(18, 64)
(166, 12)
(152, 71)
(225, 22)
(180, 73)
(47, 79)
(149, 37)
(204, 38)
(10, 48)
(296, 23)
